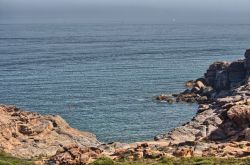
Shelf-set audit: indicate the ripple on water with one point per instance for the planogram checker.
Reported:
(102, 78)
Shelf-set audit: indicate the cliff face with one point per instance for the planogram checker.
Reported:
(226, 76)
(220, 79)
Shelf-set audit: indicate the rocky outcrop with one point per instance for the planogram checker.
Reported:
(225, 76)
(221, 126)
(75, 155)
(218, 81)
(31, 135)
(217, 76)
(223, 119)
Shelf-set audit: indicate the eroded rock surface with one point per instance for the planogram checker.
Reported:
(221, 126)
(30, 135)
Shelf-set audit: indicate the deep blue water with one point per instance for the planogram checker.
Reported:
(102, 77)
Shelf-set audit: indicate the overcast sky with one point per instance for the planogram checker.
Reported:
(230, 11)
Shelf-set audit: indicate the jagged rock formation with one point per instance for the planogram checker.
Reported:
(30, 135)
(225, 116)
(221, 126)
(218, 81)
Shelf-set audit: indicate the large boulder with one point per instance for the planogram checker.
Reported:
(212, 71)
(240, 114)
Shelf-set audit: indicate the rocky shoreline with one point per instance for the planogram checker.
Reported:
(221, 127)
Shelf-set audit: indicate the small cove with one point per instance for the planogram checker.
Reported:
(102, 78)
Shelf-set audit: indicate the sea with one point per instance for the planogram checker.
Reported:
(102, 77)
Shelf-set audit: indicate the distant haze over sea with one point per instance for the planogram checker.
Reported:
(129, 11)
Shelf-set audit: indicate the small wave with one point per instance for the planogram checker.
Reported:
(141, 100)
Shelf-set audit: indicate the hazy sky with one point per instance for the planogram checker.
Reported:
(229, 11)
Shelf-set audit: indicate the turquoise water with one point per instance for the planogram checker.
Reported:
(102, 77)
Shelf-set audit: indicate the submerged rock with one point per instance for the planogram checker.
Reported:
(166, 98)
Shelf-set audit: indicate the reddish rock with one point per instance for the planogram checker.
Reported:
(184, 153)
(30, 135)
(75, 155)
(240, 114)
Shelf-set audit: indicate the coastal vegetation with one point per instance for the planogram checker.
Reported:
(6, 159)
(174, 161)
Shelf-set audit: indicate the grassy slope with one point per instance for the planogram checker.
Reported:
(169, 161)
(9, 160)
(6, 159)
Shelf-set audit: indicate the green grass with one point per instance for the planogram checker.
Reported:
(6, 159)
(103, 161)
(172, 161)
